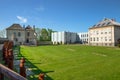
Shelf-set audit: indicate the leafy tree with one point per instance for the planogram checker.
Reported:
(44, 35)
(38, 30)
(49, 34)
(3, 33)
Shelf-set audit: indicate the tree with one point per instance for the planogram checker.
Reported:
(3, 33)
(44, 35)
(49, 34)
(38, 30)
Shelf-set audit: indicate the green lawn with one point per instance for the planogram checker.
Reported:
(73, 62)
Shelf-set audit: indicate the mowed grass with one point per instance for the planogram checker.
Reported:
(75, 62)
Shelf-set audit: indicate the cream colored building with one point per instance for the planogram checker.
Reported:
(104, 33)
(21, 35)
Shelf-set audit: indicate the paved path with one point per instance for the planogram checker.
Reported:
(17, 62)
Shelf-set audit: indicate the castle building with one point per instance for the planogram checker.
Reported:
(21, 35)
(104, 33)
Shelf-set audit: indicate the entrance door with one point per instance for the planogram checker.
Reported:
(27, 41)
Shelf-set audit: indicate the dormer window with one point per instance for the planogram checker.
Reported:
(98, 25)
(108, 23)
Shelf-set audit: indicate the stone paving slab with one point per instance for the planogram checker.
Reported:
(17, 62)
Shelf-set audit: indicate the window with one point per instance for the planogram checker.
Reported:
(109, 39)
(97, 33)
(19, 34)
(16, 39)
(98, 25)
(108, 23)
(28, 33)
(83, 35)
(105, 44)
(105, 38)
(110, 44)
(14, 34)
(103, 24)
(94, 39)
(91, 39)
(97, 39)
(105, 32)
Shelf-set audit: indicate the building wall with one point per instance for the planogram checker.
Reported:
(83, 37)
(22, 38)
(13, 35)
(116, 34)
(103, 36)
(30, 36)
(63, 37)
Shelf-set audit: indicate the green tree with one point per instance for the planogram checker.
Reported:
(38, 30)
(43, 34)
(3, 33)
(49, 34)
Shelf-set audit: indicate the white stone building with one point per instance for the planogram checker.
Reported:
(83, 37)
(63, 37)
(21, 35)
(104, 33)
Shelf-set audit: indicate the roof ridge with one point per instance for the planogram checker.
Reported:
(106, 22)
(15, 26)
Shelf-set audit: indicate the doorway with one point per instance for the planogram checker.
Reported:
(27, 41)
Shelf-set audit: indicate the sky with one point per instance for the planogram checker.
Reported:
(58, 15)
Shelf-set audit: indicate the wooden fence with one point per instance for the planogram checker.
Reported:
(8, 58)
(12, 75)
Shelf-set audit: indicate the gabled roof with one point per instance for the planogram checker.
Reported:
(106, 22)
(14, 26)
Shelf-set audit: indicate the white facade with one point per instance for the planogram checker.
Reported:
(84, 38)
(63, 37)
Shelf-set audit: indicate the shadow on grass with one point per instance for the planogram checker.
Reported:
(33, 71)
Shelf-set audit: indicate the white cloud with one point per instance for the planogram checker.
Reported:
(22, 19)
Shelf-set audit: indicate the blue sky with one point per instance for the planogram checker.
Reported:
(59, 15)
